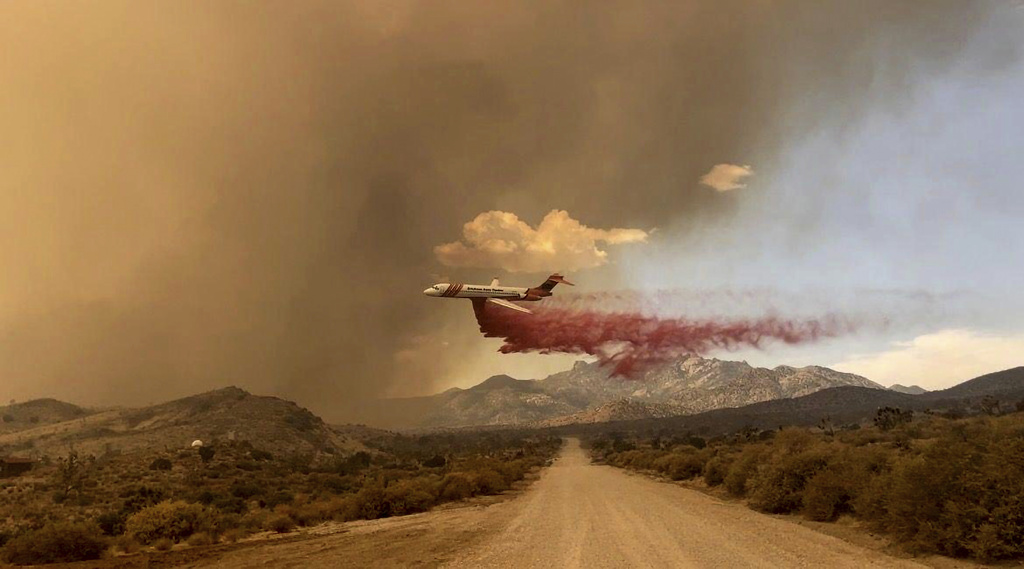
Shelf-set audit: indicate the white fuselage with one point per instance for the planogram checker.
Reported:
(459, 290)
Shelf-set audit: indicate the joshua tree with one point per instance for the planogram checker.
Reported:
(826, 426)
(888, 418)
(69, 474)
(990, 405)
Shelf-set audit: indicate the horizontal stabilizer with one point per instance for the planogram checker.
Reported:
(507, 304)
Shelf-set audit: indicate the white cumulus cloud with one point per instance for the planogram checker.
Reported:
(939, 360)
(498, 239)
(725, 177)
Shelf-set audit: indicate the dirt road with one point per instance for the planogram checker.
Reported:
(576, 515)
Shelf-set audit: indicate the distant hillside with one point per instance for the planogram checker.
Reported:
(842, 405)
(31, 414)
(685, 385)
(908, 389)
(268, 423)
(620, 410)
(1007, 384)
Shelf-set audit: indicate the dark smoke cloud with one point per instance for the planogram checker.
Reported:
(209, 193)
(632, 342)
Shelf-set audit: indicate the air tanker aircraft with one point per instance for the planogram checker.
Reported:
(496, 294)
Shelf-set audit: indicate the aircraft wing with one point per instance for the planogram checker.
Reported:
(507, 304)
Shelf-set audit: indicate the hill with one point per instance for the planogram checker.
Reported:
(1008, 384)
(686, 385)
(30, 414)
(229, 414)
(908, 389)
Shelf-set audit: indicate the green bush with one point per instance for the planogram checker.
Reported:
(172, 520)
(59, 542)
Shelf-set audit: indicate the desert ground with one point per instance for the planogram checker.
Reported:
(577, 514)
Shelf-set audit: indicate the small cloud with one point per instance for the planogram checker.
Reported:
(725, 177)
(498, 239)
(939, 360)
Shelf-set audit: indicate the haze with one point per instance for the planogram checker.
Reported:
(206, 194)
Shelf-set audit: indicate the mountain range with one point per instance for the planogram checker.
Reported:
(844, 405)
(588, 393)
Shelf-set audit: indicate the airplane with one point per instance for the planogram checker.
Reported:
(495, 293)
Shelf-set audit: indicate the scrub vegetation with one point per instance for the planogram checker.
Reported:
(82, 507)
(933, 483)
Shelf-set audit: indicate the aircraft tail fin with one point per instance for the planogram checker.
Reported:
(554, 280)
(494, 282)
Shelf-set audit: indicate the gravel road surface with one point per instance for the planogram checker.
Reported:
(576, 515)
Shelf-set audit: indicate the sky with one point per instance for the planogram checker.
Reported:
(255, 193)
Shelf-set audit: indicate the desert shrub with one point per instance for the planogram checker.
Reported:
(306, 515)
(960, 498)
(341, 508)
(206, 454)
(111, 523)
(826, 495)
(257, 454)
(370, 502)
(277, 498)
(777, 485)
(58, 542)
(245, 490)
(125, 544)
(234, 534)
(715, 470)
(140, 497)
(682, 466)
(200, 539)
(172, 520)
(741, 469)
(513, 470)
(333, 483)
(407, 497)
(487, 482)
(160, 464)
(436, 461)
(281, 524)
(455, 486)
(163, 544)
(846, 479)
(230, 505)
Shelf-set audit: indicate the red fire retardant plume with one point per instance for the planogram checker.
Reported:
(631, 342)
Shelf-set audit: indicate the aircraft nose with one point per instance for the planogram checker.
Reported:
(428, 291)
